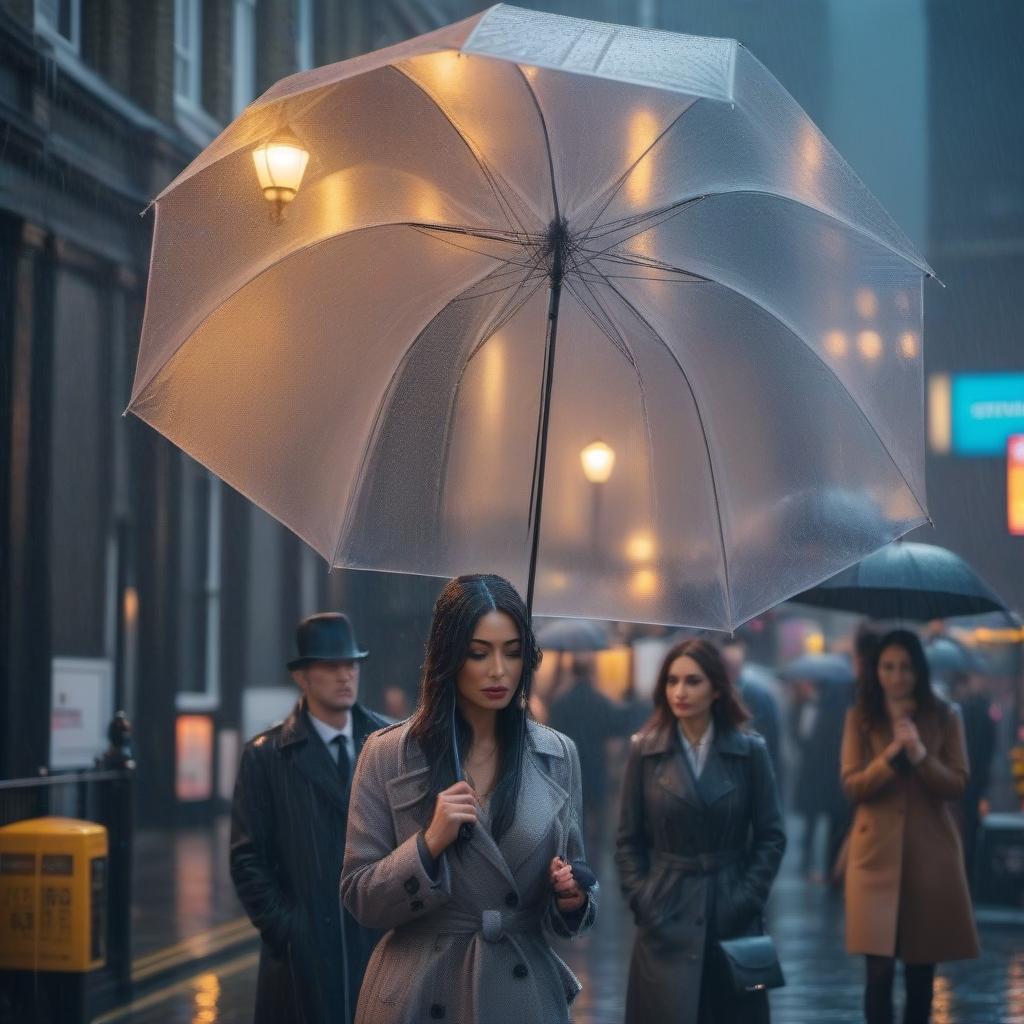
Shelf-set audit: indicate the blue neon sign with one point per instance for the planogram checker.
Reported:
(987, 409)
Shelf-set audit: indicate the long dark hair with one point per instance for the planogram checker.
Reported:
(727, 712)
(871, 696)
(463, 602)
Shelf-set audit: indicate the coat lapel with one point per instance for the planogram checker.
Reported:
(671, 771)
(411, 810)
(313, 759)
(716, 781)
(541, 800)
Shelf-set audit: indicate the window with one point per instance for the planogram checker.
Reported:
(188, 52)
(303, 34)
(243, 80)
(199, 575)
(61, 20)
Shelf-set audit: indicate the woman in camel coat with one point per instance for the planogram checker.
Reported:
(903, 765)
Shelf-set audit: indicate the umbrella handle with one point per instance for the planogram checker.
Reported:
(465, 829)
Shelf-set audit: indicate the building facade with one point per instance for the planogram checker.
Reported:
(129, 577)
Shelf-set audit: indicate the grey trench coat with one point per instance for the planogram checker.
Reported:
(470, 945)
(730, 817)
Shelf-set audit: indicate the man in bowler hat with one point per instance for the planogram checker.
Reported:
(288, 822)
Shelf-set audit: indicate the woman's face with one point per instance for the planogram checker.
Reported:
(896, 673)
(689, 692)
(493, 668)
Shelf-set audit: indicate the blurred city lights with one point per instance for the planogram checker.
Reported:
(869, 344)
(598, 461)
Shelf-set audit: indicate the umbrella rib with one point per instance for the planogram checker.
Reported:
(433, 233)
(707, 442)
(616, 186)
(547, 138)
(490, 176)
(626, 222)
(382, 408)
(272, 265)
(845, 390)
(630, 357)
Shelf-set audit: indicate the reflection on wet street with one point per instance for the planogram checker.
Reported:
(823, 984)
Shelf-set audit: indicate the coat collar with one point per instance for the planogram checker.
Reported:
(540, 793)
(673, 773)
(732, 742)
(312, 757)
(296, 727)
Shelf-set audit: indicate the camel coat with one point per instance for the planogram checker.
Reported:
(471, 944)
(906, 887)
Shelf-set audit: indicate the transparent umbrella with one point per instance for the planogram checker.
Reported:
(399, 296)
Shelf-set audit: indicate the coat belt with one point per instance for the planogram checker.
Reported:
(701, 864)
(492, 925)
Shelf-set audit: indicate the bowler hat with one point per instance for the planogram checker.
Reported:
(325, 637)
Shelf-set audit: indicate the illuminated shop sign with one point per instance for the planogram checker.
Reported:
(1015, 485)
(987, 409)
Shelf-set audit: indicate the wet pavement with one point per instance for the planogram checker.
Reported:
(188, 896)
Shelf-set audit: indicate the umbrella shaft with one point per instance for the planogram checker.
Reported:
(558, 237)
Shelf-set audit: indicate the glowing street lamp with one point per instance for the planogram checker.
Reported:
(598, 462)
(280, 165)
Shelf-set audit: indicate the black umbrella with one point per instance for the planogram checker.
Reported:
(907, 581)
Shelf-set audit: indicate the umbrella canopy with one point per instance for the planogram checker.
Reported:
(946, 657)
(512, 239)
(827, 669)
(572, 635)
(907, 581)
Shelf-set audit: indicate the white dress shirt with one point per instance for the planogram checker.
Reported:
(697, 753)
(328, 732)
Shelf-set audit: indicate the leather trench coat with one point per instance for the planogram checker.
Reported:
(696, 860)
(288, 823)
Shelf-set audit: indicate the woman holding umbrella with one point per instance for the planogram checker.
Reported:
(903, 763)
(464, 832)
(699, 843)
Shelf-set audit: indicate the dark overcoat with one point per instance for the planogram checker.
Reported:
(470, 945)
(288, 824)
(669, 822)
(906, 887)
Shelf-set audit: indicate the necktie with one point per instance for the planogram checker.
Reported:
(344, 765)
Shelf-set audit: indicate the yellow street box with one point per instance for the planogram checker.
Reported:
(53, 895)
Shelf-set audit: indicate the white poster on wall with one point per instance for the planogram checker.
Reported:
(81, 706)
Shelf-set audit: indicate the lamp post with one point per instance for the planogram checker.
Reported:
(598, 460)
(280, 165)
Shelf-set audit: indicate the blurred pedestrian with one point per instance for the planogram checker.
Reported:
(759, 700)
(968, 691)
(903, 762)
(700, 841)
(469, 914)
(819, 711)
(288, 823)
(395, 703)
(590, 720)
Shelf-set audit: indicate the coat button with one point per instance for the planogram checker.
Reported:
(416, 904)
(412, 885)
(520, 971)
(436, 1011)
(511, 899)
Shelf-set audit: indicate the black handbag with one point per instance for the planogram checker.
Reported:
(751, 964)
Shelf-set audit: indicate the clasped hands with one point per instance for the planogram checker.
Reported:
(458, 806)
(905, 737)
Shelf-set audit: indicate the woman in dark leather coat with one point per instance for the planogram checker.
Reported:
(699, 843)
